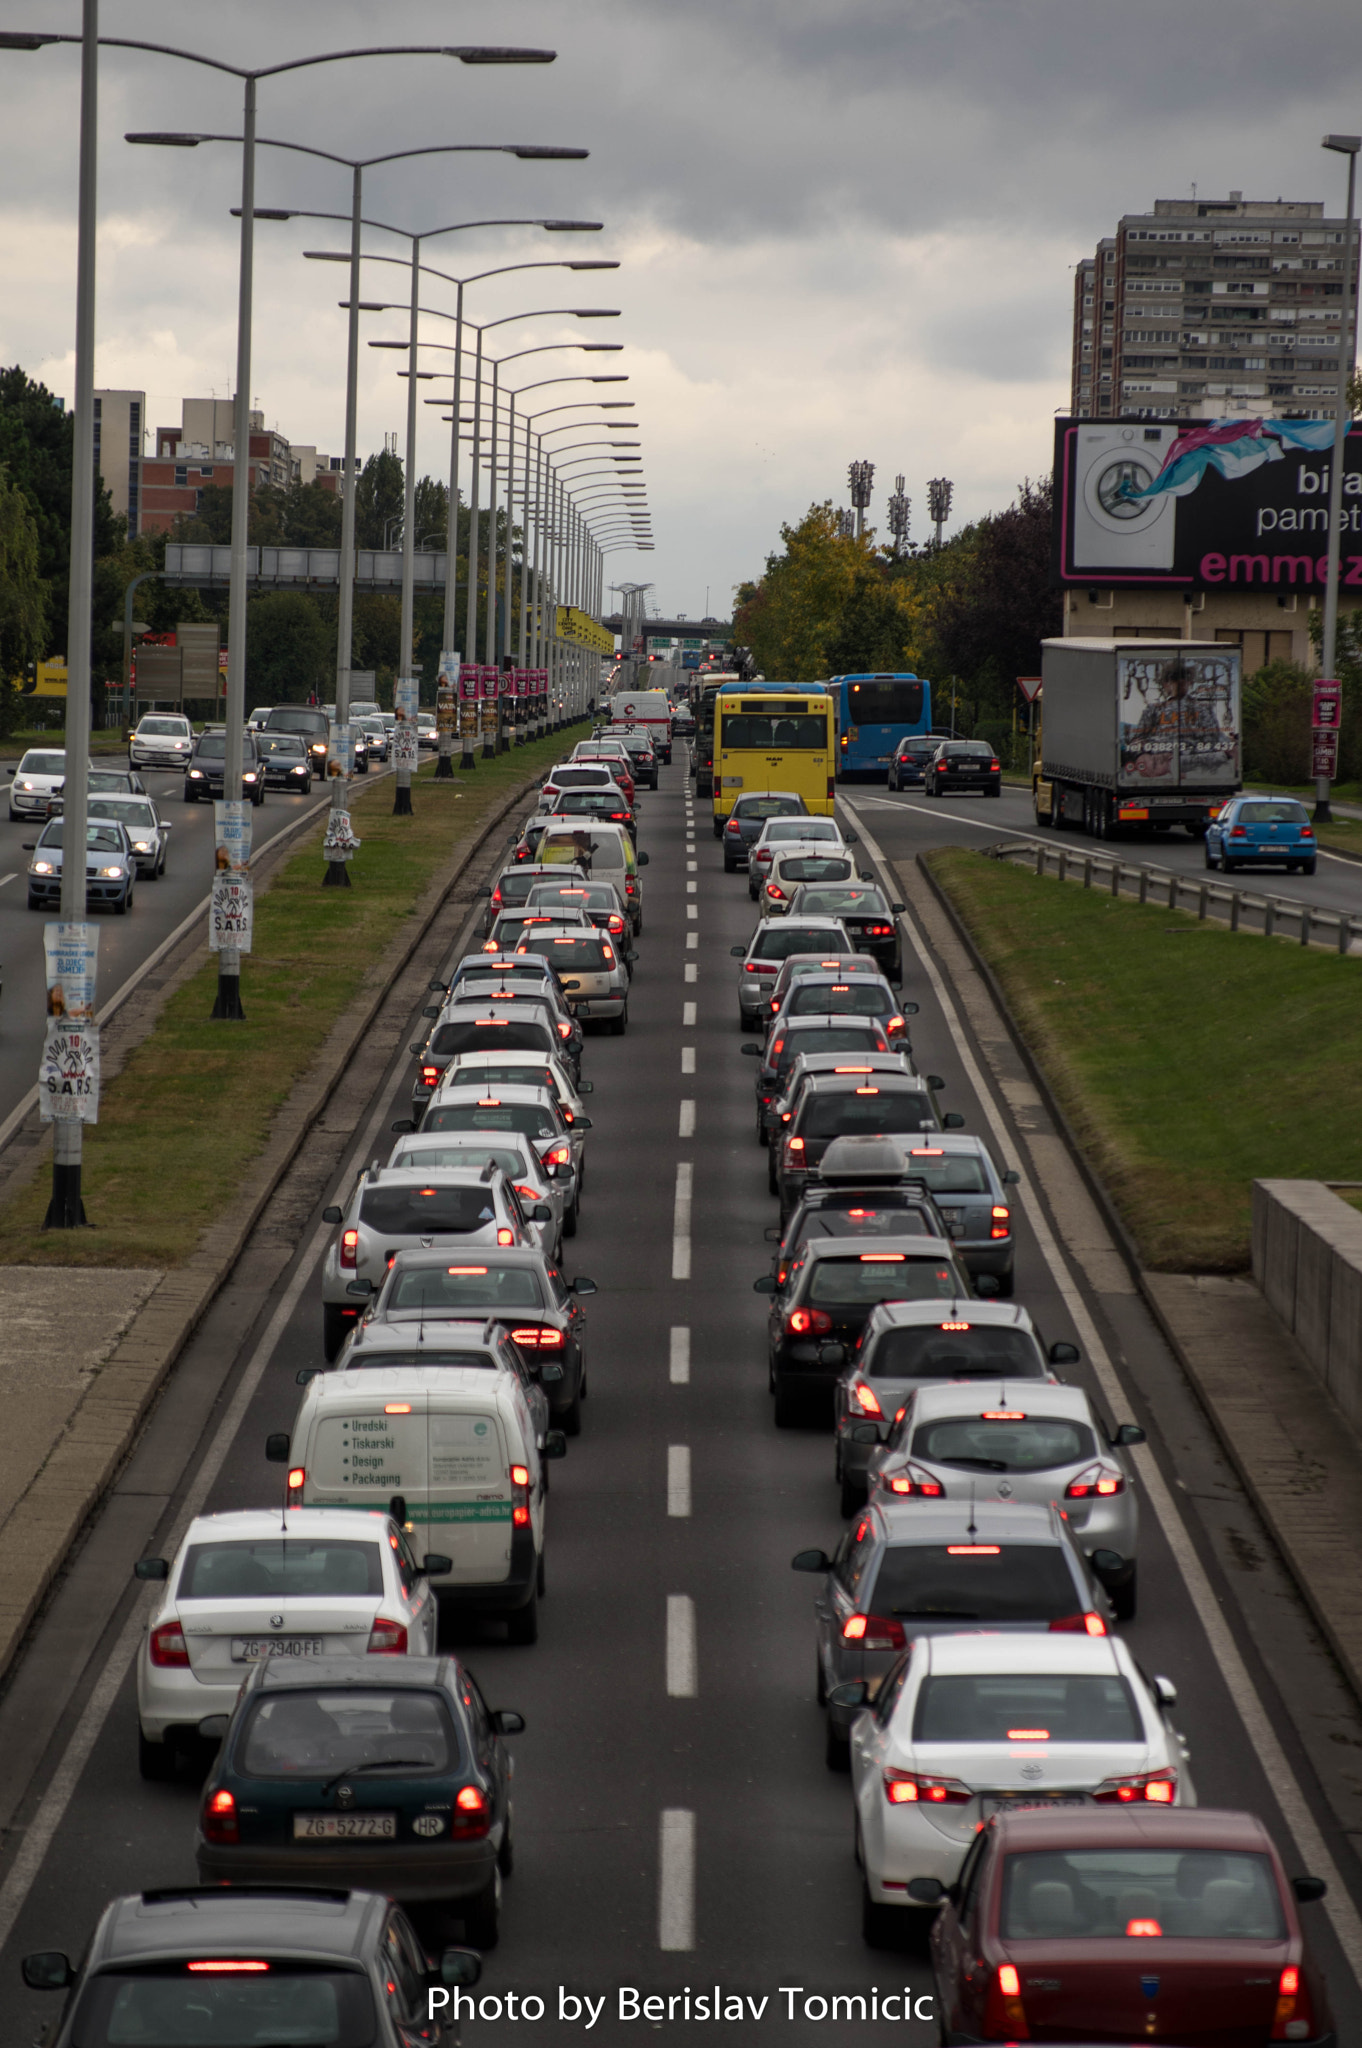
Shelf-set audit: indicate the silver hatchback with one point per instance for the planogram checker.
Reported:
(592, 969)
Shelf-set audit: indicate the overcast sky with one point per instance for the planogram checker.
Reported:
(847, 227)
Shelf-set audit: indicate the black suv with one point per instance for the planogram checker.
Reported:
(207, 764)
(267, 1963)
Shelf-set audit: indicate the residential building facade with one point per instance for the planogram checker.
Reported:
(120, 425)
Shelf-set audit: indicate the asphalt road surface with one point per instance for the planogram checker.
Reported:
(675, 1824)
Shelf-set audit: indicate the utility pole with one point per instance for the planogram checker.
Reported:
(860, 477)
(900, 508)
(939, 494)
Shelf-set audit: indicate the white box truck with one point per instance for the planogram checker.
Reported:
(1136, 735)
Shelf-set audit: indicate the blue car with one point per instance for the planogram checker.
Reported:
(1261, 831)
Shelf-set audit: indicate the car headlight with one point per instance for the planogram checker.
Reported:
(40, 867)
(26, 785)
(300, 769)
(196, 774)
(249, 776)
(141, 846)
(113, 874)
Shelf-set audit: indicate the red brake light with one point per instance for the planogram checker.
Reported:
(1005, 2016)
(911, 1480)
(1028, 1735)
(520, 1496)
(349, 1248)
(866, 1400)
(1238, 832)
(874, 1632)
(430, 1075)
(906, 1788)
(472, 1816)
(794, 1144)
(1079, 1625)
(880, 1258)
(520, 1475)
(1097, 1479)
(559, 1155)
(387, 1639)
(539, 1337)
(297, 1479)
(220, 1819)
(803, 1322)
(397, 1407)
(224, 1967)
(974, 1550)
(1157, 1788)
(167, 1647)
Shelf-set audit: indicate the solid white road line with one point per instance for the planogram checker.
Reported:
(1310, 1843)
(682, 1677)
(687, 1016)
(678, 1480)
(676, 1880)
(692, 971)
(8, 878)
(679, 1368)
(685, 1127)
(688, 1056)
(685, 1173)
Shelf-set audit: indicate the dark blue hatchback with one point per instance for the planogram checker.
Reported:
(1261, 831)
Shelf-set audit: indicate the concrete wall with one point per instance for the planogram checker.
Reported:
(1307, 1259)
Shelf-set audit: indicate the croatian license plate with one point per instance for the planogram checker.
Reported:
(954, 1215)
(1030, 1802)
(255, 1649)
(344, 1827)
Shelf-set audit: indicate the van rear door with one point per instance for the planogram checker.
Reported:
(362, 1455)
(468, 1502)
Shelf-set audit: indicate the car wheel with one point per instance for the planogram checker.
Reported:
(14, 816)
(1211, 860)
(482, 1915)
(820, 1689)
(761, 1130)
(853, 1498)
(1228, 866)
(836, 1750)
(155, 1760)
(571, 1419)
(619, 1025)
(718, 828)
(994, 792)
(522, 1624)
(881, 1926)
(333, 1331)
(1307, 867)
(307, 787)
(124, 904)
(1125, 1599)
(787, 1412)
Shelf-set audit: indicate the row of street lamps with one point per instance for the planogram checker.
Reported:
(572, 546)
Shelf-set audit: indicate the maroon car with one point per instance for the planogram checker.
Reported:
(1126, 1925)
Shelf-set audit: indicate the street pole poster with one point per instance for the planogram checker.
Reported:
(68, 1078)
(406, 702)
(487, 691)
(447, 693)
(1326, 714)
(232, 903)
(340, 751)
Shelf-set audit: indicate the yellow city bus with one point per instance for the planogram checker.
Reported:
(773, 736)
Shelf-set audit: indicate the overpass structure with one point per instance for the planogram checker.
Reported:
(676, 629)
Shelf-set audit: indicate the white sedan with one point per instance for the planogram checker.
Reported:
(315, 1582)
(966, 1725)
(778, 833)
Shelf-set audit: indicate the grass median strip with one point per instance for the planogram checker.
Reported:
(193, 1105)
(1188, 1059)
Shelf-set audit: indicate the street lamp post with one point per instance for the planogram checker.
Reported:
(1345, 145)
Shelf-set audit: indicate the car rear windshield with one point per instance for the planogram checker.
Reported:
(1036, 1443)
(967, 750)
(946, 1173)
(836, 1038)
(768, 807)
(975, 1581)
(511, 1159)
(1214, 1894)
(528, 1118)
(123, 813)
(966, 1352)
(799, 732)
(307, 1734)
(1061, 1707)
(854, 998)
(514, 886)
(1272, 814)
(170, 2004)
(588, 803)
(511, 1072)
(827, 867)
(779, 941)
(43, 764)
(584, 777)
(787, 828)
(493, 1034)
(275, 1566)
(412, 1211)
(310, 722)
(586, 896)
(587, 956)
(423, 1354)
(867, 1277)
(473, 1285)
(280, 743)
(582, 849)
(864, 1222)
(164, 728)
(853, 1116)
(839, 902)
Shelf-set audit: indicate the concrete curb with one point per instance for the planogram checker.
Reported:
(1246, 1430)
(104, 1428)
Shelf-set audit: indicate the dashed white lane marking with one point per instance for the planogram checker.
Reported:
(685, 1173)
(692, 971)
(692, 910)
(691, 866)
(678, 1480)
(688, 1059)
(676, 1880)
(683, 1681)
(679, 1364)
(691, 888)
(687, 1016)
(686, 1123)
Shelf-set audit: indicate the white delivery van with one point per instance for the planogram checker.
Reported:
(607, 854)
(451, 1452)
(649, 711)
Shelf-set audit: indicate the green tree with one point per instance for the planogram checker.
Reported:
(872, 631)
(290, 649)
(379, 497)
(791, 615)
(312, 516)
(23, 593)
(1276, 723)
(36, 447)
(432, 513)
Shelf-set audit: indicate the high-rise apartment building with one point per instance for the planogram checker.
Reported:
(120, 423)
(1209, 307)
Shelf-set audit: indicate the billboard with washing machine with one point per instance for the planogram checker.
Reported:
(1203, 504)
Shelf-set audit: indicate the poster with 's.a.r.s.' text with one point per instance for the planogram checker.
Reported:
(231, 913)
(68, 1078)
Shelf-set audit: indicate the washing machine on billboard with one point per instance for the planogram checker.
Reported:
(1112, 529)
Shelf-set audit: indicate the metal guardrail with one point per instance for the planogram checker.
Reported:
(1278, 914)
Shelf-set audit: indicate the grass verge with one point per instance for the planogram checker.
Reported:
(1188, 1059)
(193, 1105)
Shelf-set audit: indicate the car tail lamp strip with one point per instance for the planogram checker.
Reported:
(1103, 1480)
(808, 1322)
(349, 1248)
(536, 1337)
(560, 1155)
(1155, 1788)
(1005, 2017)
(867, 1400)
(387, 1639)
(220, 1818)
(912, 1481)
(167, 1647)
(907, 1788)
(225, 1966)
(472, 1814)
(1088, 1624)
(1294, 2018)
(520, 1496)
(874, 1632)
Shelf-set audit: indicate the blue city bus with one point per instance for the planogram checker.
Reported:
(875, 712)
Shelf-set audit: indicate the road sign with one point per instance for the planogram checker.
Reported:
(1029, 687)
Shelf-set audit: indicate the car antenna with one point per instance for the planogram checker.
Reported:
(972, 1531)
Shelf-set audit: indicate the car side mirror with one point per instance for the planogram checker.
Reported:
(305, 1375)
(642, 859)
(631, 957)
(751, 1050)
(555, 1444)
(582, 1123)
(47, 1970)
(460, 1968)
(986, 1286)
(1165, 1692)
(332, 1213)
(581, 1285)
(1307, 1891)
(898, 908)
(507, 1722)
(29, 845)
(738, 952)
(404, 1123)
(773, 1233)
(361, 1289)
(909, 1009)
(586, 1087)
(1109, 1565)
(810, 1561)
(431, 1010)
(935, 1081)
(952, 1121)
(416, 1048)
(151, 1568)
(485, 890)
(542, 1212)
(851, 839)
(397, 1508)
(852, 1694)
(1064, 1354)
(1011, 1178)
(1128, 1433)
(926, 1891)
(766, 1285)
(435, 1564)
(832, 1354)
(277, 1447)
(550, 1373)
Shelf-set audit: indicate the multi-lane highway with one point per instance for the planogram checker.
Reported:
(675, 1824)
